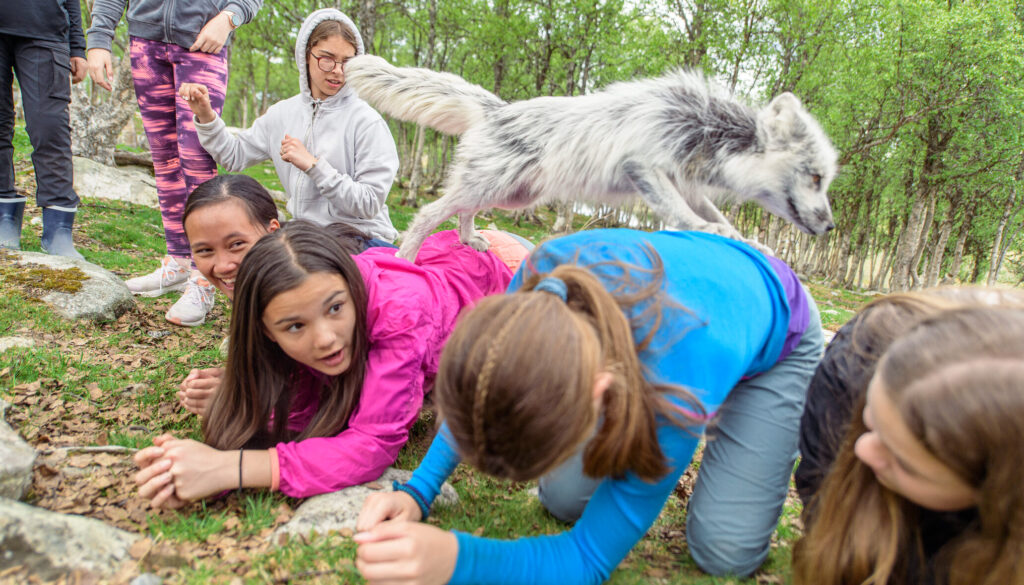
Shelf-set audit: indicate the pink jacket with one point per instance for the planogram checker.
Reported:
(411, 311)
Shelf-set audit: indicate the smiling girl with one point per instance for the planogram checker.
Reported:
(333, 153)
(925, 486)
(331, 356)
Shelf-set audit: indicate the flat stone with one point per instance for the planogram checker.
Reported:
(16, 341)
(131, 184)
(103, 297)
(147, 579)
(338, 511)
(829, 335)
(49, 544)
(16, 460)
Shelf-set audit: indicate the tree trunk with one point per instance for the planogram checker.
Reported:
(417, 170)
(938, 253)
(998, 249)
(996, 257)
(367, 17)
(953, 275)
(563, 222)
(926, 228)
(95, 127)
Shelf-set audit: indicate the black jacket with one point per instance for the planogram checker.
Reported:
(48, 20)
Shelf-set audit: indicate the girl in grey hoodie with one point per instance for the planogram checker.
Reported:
(333, 153)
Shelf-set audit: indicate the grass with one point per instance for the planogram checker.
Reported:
(114, 384)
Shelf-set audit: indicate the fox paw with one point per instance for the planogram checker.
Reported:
(478, 243)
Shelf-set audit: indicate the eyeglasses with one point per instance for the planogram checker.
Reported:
(327, 64)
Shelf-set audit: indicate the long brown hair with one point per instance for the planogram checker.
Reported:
(258, 380)
(957, 379)
(516, 379)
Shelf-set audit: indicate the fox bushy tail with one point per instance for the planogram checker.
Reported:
(442, 101)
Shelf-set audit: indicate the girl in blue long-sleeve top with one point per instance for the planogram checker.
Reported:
(597, 375)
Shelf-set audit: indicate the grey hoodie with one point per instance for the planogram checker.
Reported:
(168, 21)
(356, 155)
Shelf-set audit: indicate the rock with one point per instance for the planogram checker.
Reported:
(16, 460)
(828, 335)
(16, 341)
(147, 579)
(338, 511)
(50, 545)
(102, 297)
(131, 184)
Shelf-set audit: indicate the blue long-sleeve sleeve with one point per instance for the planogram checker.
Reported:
(439, 463)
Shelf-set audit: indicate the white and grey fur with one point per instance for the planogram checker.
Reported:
(672, 140)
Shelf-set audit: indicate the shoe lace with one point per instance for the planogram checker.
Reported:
(167, 271)
(198, 294)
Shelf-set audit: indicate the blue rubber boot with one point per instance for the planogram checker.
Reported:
(56, 238)
(11, 212)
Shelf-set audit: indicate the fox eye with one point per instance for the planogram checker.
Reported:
(816, 179)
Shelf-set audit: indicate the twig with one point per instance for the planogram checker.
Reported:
(304, 575)
(91, 449)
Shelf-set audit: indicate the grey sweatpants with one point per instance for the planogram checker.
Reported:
(744, 475)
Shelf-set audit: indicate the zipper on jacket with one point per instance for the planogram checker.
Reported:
(167, 22)
(308, 141)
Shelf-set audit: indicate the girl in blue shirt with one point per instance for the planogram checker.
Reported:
(597, 375)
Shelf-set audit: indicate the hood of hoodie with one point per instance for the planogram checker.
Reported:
(305, 31)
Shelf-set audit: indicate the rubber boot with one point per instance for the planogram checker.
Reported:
(57, 233)
(11, 212)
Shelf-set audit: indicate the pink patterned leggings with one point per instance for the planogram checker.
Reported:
(181, 164)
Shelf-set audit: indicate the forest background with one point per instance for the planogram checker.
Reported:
(924, 101)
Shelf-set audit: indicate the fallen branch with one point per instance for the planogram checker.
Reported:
(125, 157)
(91, 449)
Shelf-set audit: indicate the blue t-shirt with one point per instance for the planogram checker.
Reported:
(729, 318)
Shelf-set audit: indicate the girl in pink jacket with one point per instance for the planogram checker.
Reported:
(330, 358)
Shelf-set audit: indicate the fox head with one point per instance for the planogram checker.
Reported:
(794, 166)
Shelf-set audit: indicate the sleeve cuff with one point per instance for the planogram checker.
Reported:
(275, 470)
(209, 125)
(320, 173)
(239, 10)
(98, 40)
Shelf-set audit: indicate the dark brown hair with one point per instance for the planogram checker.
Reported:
(957, 379)
(251, 407)
(516, 379)
(258, 203)
(328, 29)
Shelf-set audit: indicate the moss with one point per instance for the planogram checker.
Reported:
(36, 279)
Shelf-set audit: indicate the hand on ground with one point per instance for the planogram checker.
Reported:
(196, 391)
(380, 507)
(293, 151)
(100, 68)
(197, 96)
(400, 552)
(154, 477)
(213, 35)
(196, 470)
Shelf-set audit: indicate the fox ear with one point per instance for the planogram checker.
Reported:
(785, 102)
(781, 120)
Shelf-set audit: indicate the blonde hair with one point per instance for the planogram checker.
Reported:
(957, 378)
(517, 376)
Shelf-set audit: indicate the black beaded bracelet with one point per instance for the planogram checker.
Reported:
(416, 496)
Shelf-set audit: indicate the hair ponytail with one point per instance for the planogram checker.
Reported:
(517, 377)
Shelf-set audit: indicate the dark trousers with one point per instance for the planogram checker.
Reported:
(44, 76)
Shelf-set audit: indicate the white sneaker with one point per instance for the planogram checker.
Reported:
(197, 300)
(171, 276)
